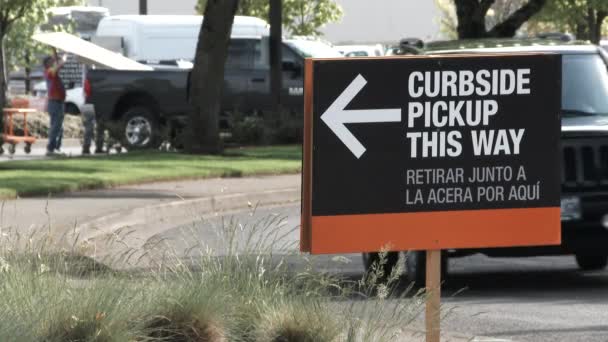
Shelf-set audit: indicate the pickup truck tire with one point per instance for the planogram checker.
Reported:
(140, 129)
(415, 265)
(369, 259)
(71, 109)
(591, 262)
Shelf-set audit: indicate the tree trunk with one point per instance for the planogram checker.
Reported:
(509, 26)
(596, 19)
(207, 77)
(581, 31)
(276, 58)
(3, 86)
(590, 22)
(471, 19)
(28, 74)
(471, 16)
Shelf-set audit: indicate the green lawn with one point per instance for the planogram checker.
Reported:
(41, 177)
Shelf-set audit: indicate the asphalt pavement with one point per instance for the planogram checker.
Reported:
(520, 299)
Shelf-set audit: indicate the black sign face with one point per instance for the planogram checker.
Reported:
(71, 73)
(405, 135)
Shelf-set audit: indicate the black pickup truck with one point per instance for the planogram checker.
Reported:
(584, 170)
(139, 104)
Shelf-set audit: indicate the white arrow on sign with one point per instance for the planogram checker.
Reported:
(336, 116)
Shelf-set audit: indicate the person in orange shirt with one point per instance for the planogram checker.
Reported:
(56, 100)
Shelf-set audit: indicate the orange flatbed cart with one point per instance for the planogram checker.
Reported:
(8, 135)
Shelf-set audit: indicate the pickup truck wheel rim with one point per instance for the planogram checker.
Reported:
(138, 131)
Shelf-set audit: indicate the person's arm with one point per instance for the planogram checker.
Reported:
(58, 62)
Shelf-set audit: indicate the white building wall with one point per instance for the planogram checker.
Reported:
(364, 21)
(154, 6)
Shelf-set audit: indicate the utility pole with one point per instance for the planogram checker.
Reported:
(276, 72)
(143, 7)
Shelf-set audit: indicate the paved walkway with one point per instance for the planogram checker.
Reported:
(71, 147)
(71, 209)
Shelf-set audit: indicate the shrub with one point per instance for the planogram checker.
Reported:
(250, 130)
(38, 125)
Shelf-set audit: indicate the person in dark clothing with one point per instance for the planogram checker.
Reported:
(56, 101)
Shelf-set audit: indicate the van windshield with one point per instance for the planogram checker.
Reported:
(584, 85)
(313, 48)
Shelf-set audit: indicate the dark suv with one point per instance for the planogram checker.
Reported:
(584, 170)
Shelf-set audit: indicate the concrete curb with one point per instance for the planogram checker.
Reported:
(178, 210)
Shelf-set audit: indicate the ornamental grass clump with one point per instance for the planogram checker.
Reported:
(246, 283)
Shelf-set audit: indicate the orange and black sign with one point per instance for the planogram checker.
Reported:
(415, 153)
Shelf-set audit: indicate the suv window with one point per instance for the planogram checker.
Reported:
(584, 85)
(240, 54)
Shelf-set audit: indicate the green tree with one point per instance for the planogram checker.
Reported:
(252, 8)
(300, 17)
(22, 51)
(486, 18)
(306, 17)
(10, 12)
(584, 18)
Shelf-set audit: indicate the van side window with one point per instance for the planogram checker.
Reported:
(240, 54)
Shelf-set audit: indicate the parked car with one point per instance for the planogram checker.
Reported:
(584, 173)
(361, 50)
(140, 104)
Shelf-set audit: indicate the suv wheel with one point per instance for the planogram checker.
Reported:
(415, 265)
(369, 259)
(591, 262)
(140, 129)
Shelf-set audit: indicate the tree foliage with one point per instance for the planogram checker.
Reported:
(10, 11)
(486, 18)
(252, 8)
(584, 18)
(305, 18)
(300, 17)
(22, 51)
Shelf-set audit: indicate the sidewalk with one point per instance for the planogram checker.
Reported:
(68, 210)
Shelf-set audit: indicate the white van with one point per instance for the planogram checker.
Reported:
(168, 37)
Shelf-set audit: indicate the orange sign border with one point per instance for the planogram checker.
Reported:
(517, 227)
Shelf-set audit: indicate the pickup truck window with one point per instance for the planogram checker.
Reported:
(288, 54)
(240, 54)
(584, 85)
